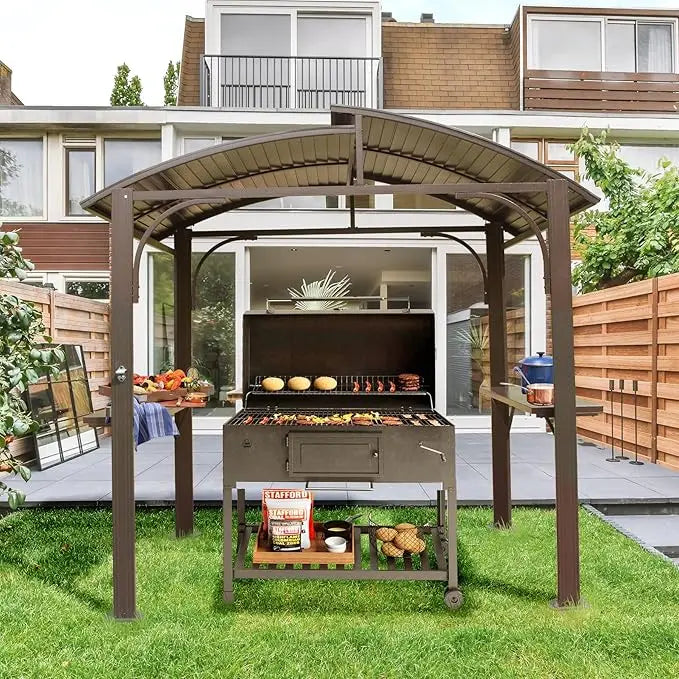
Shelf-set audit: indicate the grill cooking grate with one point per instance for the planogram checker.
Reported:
(346, 384)
(302, 417)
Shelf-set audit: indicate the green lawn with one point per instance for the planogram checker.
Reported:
(55, 569)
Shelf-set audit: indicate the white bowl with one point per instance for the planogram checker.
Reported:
(336, 544)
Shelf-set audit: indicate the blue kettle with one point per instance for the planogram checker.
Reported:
(536, 369)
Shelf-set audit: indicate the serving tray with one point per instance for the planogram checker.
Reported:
(317, 553)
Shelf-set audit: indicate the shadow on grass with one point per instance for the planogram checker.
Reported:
(369, 597)
(58, 549)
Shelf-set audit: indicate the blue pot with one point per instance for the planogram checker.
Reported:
(537, 369)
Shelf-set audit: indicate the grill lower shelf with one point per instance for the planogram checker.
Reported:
(429, 565)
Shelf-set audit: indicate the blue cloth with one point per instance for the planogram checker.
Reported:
(152, 421)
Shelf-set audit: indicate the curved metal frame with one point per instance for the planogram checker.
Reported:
(214, 248)
(146, 236)
(472, 252)
(501, 198)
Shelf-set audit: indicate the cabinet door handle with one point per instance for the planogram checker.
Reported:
(375, 453)
(433, 450)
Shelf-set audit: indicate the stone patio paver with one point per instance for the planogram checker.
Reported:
(88, 478)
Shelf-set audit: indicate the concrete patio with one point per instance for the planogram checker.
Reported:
(87, 479)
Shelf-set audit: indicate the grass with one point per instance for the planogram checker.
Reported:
(55, 569)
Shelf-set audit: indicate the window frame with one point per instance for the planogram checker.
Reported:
(543, 154)
(107, 137)
(74, 146)
(603, 21)
(42, 136)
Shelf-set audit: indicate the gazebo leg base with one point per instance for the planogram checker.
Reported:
(137, 616)
(569, 605)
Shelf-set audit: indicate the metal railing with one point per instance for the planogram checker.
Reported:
(289, 82)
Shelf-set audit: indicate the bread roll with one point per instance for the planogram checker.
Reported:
(325, 383)
(272, 384)
(299, 383)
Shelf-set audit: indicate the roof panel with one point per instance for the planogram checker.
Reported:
(397, 149)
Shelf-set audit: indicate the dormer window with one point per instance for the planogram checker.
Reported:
(601, 44)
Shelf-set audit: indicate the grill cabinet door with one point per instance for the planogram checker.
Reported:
(333, 455)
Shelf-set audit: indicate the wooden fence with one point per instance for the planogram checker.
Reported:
(73, 320)
(628, 333)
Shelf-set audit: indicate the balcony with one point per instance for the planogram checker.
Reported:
(290, 82)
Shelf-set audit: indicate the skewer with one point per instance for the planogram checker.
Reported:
(622, 455)
(635, 387)
(611, 388)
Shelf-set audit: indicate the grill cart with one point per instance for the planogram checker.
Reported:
(313, 435)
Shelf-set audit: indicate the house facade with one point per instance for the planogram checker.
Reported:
(252, 67)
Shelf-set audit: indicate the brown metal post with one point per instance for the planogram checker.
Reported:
(565, 442)
(183, 445)
(122, 448)
(500, 421)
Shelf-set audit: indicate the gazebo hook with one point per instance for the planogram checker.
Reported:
(194, 284)
(473, 253)
(146, 236)
(501, 198)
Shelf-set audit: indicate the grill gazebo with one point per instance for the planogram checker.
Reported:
(516, 197)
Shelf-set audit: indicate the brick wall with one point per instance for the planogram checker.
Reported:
(449, 67)
(189, 78)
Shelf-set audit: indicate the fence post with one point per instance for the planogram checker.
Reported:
(53, 314)
(654, 369)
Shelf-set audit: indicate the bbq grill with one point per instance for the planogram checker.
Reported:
(374, 426)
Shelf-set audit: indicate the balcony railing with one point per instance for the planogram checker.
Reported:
(290, 82)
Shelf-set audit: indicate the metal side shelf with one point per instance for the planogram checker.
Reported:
(379, 567)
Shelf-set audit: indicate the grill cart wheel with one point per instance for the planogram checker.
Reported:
(453, 598)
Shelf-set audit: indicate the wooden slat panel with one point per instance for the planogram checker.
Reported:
(606, 77)
(623, 338)
(543, 103)
(632, 313)
(621, 292)
(618, 86)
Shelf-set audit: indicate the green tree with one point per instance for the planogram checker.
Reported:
(23, 360)
(171, 83)
(126, 91)
(637, 237)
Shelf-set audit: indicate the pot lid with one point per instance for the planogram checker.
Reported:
(540, 360)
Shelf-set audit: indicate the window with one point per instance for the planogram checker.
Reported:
(566, 45)
(123, 157)
(555, 154)
(263, 35)
(21, 178)
(80, 169)
(99, 290)
(648, 157)
(602, 44)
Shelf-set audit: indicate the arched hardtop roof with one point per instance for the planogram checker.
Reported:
(394, 149)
